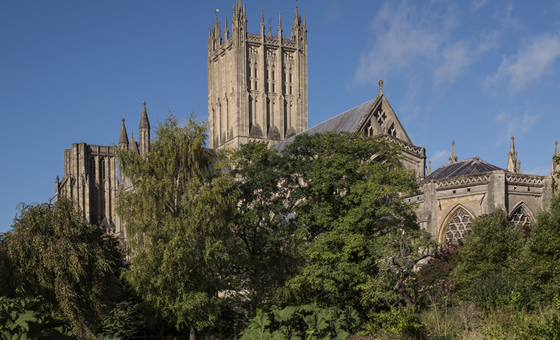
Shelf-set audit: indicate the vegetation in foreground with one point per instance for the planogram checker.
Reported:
(314, 242)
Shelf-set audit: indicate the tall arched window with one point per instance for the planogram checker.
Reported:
(457, 225)
(522, 217)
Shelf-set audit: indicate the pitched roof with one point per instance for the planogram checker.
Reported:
(466, 167)
(347, 121)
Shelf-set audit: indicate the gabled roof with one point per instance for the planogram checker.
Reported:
(347, 121)
(469, 166)
(354, 120)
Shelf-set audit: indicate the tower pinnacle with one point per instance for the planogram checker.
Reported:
(513, 164)
(123, 138)
(453, 158)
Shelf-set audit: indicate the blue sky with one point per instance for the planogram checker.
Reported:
(476, 72)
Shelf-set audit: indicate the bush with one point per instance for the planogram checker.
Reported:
(21, 319)
(397, 322)
(308, 321)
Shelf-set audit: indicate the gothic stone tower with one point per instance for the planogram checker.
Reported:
(92, 180)
(257, 83)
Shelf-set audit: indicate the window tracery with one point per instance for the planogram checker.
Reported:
(392, 131)
(521, 218)
(380, 116)
(458, 226)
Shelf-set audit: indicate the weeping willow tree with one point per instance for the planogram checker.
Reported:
(51, 254)
(176, 221)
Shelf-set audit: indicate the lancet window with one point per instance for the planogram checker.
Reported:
(392, 131)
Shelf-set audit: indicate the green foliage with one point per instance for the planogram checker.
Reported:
(52, 252)
(265, 242)
(177, 224)
(303, 322)
(21, 319)
(486, 272)
(363, 238)
(396, 322)
(541, 256)
(123, 321)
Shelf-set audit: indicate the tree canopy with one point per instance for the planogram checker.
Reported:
(52, 253)
(177, 224)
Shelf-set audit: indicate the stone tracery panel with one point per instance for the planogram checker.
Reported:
(522, 217)
(458, 226)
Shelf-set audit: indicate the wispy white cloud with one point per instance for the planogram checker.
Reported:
(534, 60)
(456, 60)
(477, 4)
(409, 38)
(402, 35)
(512, 125)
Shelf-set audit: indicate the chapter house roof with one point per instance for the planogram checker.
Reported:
(469, 166)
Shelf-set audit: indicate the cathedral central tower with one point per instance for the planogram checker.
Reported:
(257, 83)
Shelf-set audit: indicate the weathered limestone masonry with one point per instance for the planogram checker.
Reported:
(257, 83)
(92, 180)
(455, 194)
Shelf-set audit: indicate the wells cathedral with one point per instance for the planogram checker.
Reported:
(257, 91)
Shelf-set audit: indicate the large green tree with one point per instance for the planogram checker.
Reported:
(540, 258)
(51, 252)
(177, 224)
(485, 273)
(363, 239)
(265, 244)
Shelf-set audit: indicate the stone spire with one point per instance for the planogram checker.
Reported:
(133, 145)
(453, 158)
(296, 24)
(217, 31)
(513, 163)
(123, 138)
(262, 23)
(280, 31)
(144, 130)
(226, 30)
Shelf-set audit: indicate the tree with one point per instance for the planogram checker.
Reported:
(51, 252)
(541, 257)
(363, 239)
(488, 257)
(265, 243)
(177, 224)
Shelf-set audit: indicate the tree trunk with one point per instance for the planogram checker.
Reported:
(192, 334)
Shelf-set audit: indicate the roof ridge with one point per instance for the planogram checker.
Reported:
(340, 114)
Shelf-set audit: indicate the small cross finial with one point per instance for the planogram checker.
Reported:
(380, 86)
(216, 12)
(123, 120)
(144, 102)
